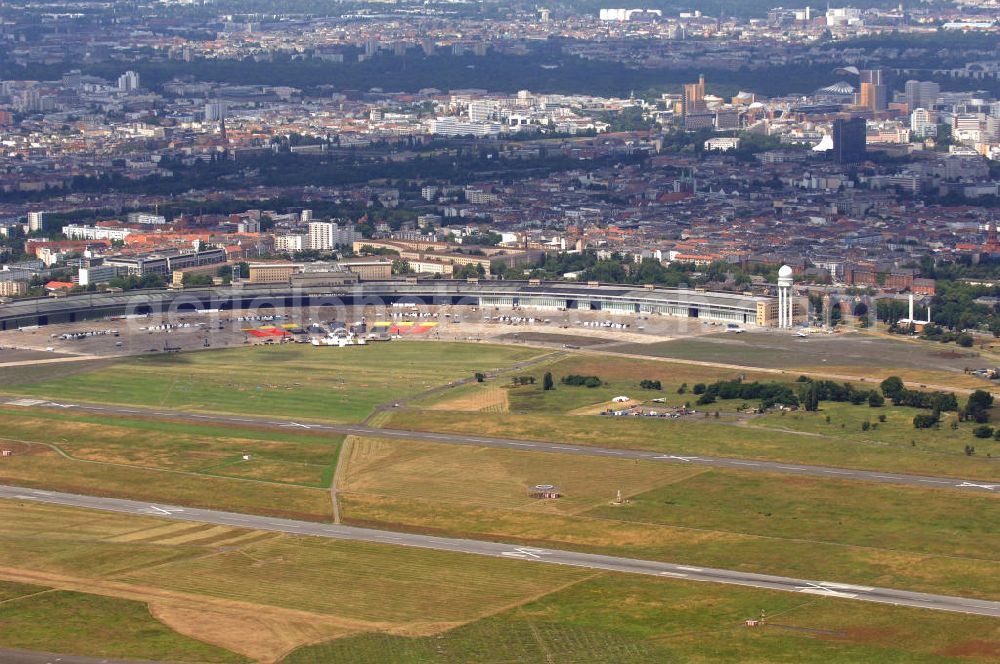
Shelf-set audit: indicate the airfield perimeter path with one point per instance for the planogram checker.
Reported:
(12, 656)
(524, 445)
(513, 551)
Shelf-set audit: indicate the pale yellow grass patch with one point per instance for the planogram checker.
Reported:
(262, 635)
(491, 477)
(490, 398)
(155, 533)
(598, 408)
(198, 536)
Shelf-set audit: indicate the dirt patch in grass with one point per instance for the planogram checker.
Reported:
(490, 399)
(262, 635)
(972, 649)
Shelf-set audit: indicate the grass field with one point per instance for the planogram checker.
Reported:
(621, 376)
(230, 586)
(288, 381)
(46, 469)
(493, 477)
(261, 594)
(637, 621)
(757, 522)
(846, 422)
(38, 618)
(276, 456)
(706, 437)
(353, 580)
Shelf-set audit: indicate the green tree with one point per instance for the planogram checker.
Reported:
(892, 386)
(547, 382)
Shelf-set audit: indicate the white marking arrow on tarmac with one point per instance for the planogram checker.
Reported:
(525, 552)
(678, 458)
(160, 510)
(824, 589)
(296, 424)
(60, 405)
(988, 487)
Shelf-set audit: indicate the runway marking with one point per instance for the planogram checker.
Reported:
(297, 424)
(523, 552)
(686, 459)
(675, 574)
(829, 590)
(744, 463)
(690, 569)
(160, 510)
(988, 487)
(846, 586)
(25, 402)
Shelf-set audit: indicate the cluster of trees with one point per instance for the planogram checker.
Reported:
(814, 391)
(650, 384)
(577, 380)
(934, 332)
(547, 382)
(938, 402)
(523, 380)
(768, 393)
(977, 406)
(476, 271)
(131, 282)
(893, 388)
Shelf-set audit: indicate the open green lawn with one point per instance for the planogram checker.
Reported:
(289, 381)
(629, 620)
(92, 625)
(897, 431)
(471, 609)
(704, 436)
(360, 581)
(49, 470)
(939, 541)
(276, 456)
(620, 377)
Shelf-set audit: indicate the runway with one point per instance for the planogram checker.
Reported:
(514, 552)
(753, 465)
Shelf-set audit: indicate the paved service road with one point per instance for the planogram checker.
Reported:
(513, 551)
(8, 656)
(531, 445)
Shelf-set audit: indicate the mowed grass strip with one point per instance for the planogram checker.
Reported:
(288, 381)
(361, 581)
(631, 620)
(73, 623)
(699, 437)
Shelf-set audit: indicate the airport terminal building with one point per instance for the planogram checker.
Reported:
(741, 309)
